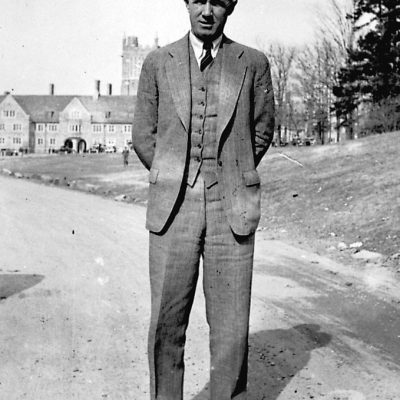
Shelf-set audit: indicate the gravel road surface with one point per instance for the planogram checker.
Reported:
(74, 310)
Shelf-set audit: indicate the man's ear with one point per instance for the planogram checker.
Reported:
(231, 7)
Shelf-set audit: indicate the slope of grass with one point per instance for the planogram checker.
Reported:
(343, 193)
(105, 171)
(348, 192)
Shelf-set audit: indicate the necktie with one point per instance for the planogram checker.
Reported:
(207, 59)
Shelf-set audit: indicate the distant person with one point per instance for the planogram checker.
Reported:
(204, 119)
(125, 156)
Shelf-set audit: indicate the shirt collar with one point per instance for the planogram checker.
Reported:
(197, 46)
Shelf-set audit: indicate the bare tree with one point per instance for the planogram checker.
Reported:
(316, 70)
(282, 60)
(319, 64)
(335, 23)
(336, 26)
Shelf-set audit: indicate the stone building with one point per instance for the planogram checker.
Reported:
(45, 123)
(133, 56)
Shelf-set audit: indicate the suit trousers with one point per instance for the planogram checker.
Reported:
(200, 229)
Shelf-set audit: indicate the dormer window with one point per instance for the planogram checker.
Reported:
(108, 114)
(9, 113)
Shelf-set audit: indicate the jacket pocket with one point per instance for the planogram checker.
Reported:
(153, 175)
(251, 178)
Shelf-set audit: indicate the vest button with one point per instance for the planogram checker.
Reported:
(199, 146)
(202, 89)
(201, 117)
(220, 163)
(197, 159)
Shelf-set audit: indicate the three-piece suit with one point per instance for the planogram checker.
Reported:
(201, 136)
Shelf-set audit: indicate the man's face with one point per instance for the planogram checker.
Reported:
(208, 17)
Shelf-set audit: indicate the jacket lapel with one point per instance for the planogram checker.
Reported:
(232, 77)
(178, 74)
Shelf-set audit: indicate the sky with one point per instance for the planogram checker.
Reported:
(71, 43)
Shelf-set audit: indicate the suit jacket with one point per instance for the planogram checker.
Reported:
(244, 130)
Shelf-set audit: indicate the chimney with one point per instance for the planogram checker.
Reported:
(96, 94)
(51, 89)
(109, 89)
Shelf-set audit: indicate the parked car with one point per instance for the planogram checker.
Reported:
(309, 141)
(94, 149)
(110, 149)
(11, 152)
(65, 149)
(297, 142)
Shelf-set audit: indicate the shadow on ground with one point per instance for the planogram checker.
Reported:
(275, 357)
(11, 284)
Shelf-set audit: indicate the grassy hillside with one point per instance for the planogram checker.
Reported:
(348, 192)
(343, 193)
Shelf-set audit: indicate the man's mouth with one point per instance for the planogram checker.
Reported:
(206, 24)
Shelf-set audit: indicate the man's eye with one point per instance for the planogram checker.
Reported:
(219, 3)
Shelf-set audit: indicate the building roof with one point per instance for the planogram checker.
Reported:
(110, 109)
(43, 108)
(105, 109)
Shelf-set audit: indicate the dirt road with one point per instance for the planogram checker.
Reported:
(74, 310)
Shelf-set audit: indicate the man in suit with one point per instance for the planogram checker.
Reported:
(204, 119)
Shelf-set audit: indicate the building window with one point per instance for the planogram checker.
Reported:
(53, 127)
(127, 128)
(9, 113)
(17, 140)
(111, 142)
(17, 127)
(108, 114)
(52, 141)
(97, 128)
(40, 127)
(75, 128)
(40, 141)
(2, 127)
(75, 114)
(111, 128)
(2, 140)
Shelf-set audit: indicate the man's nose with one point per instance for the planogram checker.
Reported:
(207, 11)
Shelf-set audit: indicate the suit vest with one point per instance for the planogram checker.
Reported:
(204, 116)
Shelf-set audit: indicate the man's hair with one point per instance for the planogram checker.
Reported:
(232, 1)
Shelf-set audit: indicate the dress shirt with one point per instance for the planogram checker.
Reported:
(198, 49)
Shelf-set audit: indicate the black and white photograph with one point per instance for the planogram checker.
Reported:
(200, 200)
